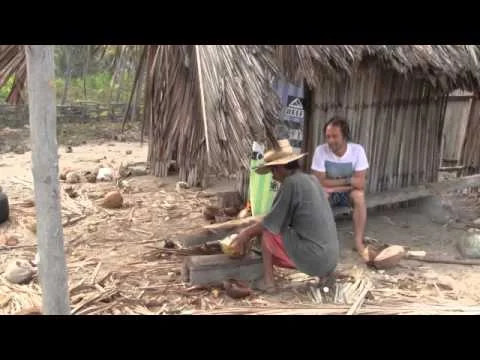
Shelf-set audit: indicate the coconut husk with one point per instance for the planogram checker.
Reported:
(210, 212)
(244, 213)
(389, 257)
(237, 289)
(9, 240)
(72, 178)
(231, 211)
(19, 272)
(64, 173)
(112, 200)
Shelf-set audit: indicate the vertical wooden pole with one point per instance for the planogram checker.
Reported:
(309, 140)
(202, 101)
(43, 132)
(204, 116)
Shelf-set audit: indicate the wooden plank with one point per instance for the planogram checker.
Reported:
(451, 168)
(213, 269)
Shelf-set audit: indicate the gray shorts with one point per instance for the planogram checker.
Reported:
(340, 199)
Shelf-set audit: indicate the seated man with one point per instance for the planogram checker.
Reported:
(299, 231)
(341, 166)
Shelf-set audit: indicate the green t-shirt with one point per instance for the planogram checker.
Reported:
(303, 217)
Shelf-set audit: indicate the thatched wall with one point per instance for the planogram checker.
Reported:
(456, 120)
(397, 119)
(471, 146)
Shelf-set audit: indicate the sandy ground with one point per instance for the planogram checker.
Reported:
(117, 261)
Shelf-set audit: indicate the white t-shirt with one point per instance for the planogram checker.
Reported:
(354, 159)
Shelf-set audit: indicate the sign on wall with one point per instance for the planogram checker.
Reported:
(292, 114)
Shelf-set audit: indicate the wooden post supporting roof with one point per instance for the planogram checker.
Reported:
(42, 108)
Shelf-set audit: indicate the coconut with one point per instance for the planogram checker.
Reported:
(32, 226)
(244, 213)
(34, 310)
(91, 178)
(237, 289)
(181, 185)
(231, 211)
(64, 172)
(72, 178)
(105, 174)
(112, 200)
(9, 240)
(390, 257)
(209, 212)
(19, 272)
(27, 203)
(372, 252)
(469, 245)
(227, 248)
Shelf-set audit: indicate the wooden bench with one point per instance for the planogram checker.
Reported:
(414, 192)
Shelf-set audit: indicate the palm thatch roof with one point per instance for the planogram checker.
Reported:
(444, 66)
(217, 112)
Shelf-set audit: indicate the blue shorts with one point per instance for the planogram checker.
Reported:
(340, 199)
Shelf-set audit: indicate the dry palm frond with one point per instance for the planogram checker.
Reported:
(13, 63)
(240, 105)
(393, 309)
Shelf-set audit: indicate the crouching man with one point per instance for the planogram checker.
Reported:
(299, 231)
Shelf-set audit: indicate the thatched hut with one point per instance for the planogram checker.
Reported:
(395, 99)
(394, 96)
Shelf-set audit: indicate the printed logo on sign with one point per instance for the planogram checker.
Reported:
(294, 110)
(295, 134)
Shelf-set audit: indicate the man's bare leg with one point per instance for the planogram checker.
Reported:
(269, 280)
(359, 215)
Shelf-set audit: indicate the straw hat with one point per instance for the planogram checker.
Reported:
(281, 156)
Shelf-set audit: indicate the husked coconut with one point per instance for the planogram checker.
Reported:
(209, 212)
(32, 226)
(390, 257)
(244, 213)
(91, 178)
(64, 172)
(27, 203)
(34, 310)
(19, 272)
(181, 185)
(72, 178)
(112, 200)
(237, 289)
(105, 174)
(231, 211)
(372, 253)
(9, 240)
(138, 170)
(469, 245)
